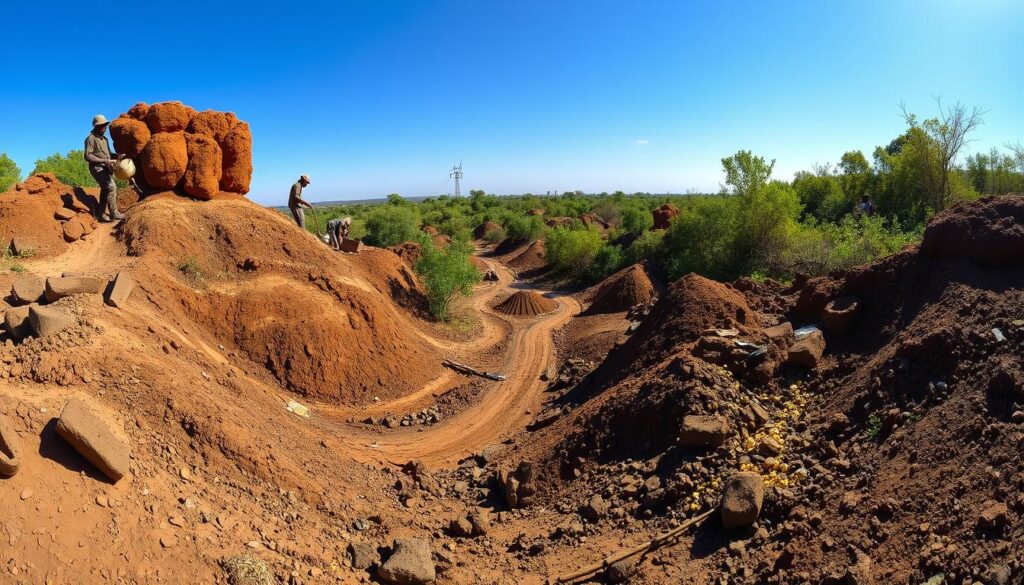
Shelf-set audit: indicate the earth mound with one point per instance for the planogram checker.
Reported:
(41, 215)
(623, 290)
(202, 154)
(482, 229)
(529, 260)
(527, 303)
(663, 216)
(989, 230)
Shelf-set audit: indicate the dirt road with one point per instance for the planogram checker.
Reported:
(500, 411)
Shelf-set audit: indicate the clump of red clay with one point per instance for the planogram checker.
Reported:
(527, 303)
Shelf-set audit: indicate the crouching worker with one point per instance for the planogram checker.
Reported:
(337, 230)
(101, 167)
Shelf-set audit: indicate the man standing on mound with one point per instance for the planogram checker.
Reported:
(101, 167)
(296, 202)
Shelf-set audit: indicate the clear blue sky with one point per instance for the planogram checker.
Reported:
(374, 97)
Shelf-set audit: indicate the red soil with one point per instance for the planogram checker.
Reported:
(527, 303)
(623, 290)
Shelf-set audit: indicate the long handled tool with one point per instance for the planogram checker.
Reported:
(316, 222)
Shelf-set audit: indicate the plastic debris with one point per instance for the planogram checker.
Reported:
(998, 334)
(805, 331)
(296, 408)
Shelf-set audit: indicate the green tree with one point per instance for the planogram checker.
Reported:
(70, 169)
(388, 225)
(446, 273)
(9, 173)
(855, 176)
(572, 250)
(525, 228)
(821, 194)
(947, 134)
(745, 173)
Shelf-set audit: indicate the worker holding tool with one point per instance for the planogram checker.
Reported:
(101, 167)
(296, 202)
(337, 230)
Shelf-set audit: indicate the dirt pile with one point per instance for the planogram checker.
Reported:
(663, 216)
(201, 153)
(623, 290)
(42, 215)
(530, 259)
(481, 230)
(527, 303)
(245, 274)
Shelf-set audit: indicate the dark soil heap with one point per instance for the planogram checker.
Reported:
(531, 259)
(623, 290)
(527, 303)
(482, 229)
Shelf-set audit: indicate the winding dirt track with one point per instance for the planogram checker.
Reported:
(501, 410)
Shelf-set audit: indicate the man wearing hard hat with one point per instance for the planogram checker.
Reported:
(296, 202)
(101, 167)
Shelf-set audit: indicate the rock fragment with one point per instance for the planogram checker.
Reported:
(742, 498)
(10, 450)
(410, 563)
(120, 289)
(89, 435)
(807, 351)
(16, 322)
(58, 288)
(698, 430)
(49, 320)
(27, 289)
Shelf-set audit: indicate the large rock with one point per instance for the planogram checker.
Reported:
(73, 230)
(130, 136)
(64, 214)
(807, 351)
(120, 289)
(742, 498)
(363, 555)
(58, 288)
(49, 320)
(10, 450)
(237, 167)
(27, 289)
(168, 117)
(213, 123)
(89, 435)
(519, 486)
(164, 160)
(839, 315)
(23, 246)
(203, 173)
(16, 322)
(410, 563)
(698, 430)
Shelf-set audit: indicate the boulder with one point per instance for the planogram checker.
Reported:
(168, 117)
(89, 435)
(742, 498)
(49, 320)
(237, 160)
(73, 231)
(699, 430)
(839, 315)
(164, 160)
(519, 486)
(994, 515)
(27, 289)
(363, 555)
(410, 563)
(120, 289)
(203, 172)
(10, 450)
(780, 335)
(129, 135)
(63, 214)
(65, 286)
(212, 123)
(807, 351)
(16, 322)
(621, 571)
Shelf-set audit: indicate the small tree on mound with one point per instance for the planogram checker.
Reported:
(9, 172)
(70, 169)
(446, 273)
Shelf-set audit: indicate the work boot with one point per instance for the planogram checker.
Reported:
(112, 207)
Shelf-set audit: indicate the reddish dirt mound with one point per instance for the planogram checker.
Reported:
(28, 213)
(990, 231)
(243, 272)
(482, 229)
(527, 303)
(592, 219)
(623, 290)
(531, 259)
(663, 216)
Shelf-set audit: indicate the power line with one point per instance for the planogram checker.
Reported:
(457, 173)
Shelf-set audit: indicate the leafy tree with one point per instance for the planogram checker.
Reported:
(388, 225)
(855, 175)
(572, 250)
(701, 239)
(9, 173)
(70, 169)
(821, 194)
(606, 261)
(745, 173)
(947, 135)
(446, 273)
(647, 245)
(525, 228)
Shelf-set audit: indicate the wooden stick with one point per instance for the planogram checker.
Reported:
(654, 543)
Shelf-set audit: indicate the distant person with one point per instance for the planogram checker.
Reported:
(866, 206)
(296, 202)
(337, 231)
(101, 167)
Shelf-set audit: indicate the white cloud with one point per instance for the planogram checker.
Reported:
(641, 141)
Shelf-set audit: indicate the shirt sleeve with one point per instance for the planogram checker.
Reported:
(92, 154)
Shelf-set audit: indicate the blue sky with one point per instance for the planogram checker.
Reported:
(375, 97)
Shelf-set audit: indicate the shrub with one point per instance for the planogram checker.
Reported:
(637, 219)
(495, 235)
(609, 211)
(446, 273)
(701, 239)
(608, 259)
(9, 173)
(572, 250)
(525, 228)
(646, 245)
(70, 169)
(388, 225)
(820, 248)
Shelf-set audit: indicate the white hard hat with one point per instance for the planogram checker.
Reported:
(99, 120)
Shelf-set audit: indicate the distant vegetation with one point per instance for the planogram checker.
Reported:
(70, 169)
(757, 225)
(9, 173)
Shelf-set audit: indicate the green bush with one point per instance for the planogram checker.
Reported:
(70, 169)
(572, 250)
(388, 225)
(608, 259)
(446, 273)
(495, 235)
(9, 173)
(525, 228)
(820, 248)
(701, 239)
(637, 219)
(646, 245)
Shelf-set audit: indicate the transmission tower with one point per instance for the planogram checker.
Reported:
(457, 173)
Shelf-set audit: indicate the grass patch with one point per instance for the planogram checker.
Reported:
(190, 268)
(874, 427)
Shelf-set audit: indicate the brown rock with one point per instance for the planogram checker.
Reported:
(994, 515)
(27, 289)
(168, 117)
(164, 160)
(129, 135)
(10, 450)
(363, 555)
(58, 288)
(410, 563)
(840, 314)
(16, 322)
(699, 430)
(73, 231)
(237, 167)
(93, 440)
(663, 216)
(742, 498)
(63, 214)
(781, 335)
(49, 320)
(22, 246)
(349, 245)
(595, 509)
(621, 571)
(120, 289)
(807, 352)
(203, 173)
